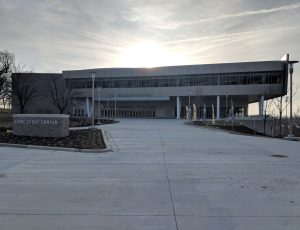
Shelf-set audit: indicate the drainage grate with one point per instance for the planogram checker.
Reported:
(280, 156)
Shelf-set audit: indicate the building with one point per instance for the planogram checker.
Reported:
(166, 91)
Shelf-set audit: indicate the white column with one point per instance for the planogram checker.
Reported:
(115, 112)
(87, 103)
(261, 105)
(93, 100)
(178, 108)
(99, 103)
(218, 107)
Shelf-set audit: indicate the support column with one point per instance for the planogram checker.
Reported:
(261, 105)
(218, 107)
(178, 108)
(87, 103)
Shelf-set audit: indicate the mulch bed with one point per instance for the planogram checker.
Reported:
(3, 129)
(80, 139)
(83, 122)
(239, 129)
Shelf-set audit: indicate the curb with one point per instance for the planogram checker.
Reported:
(106, 142)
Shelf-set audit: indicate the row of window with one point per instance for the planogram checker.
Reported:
(182, 80)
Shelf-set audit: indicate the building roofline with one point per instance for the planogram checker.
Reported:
(260, 66)
(170, 66)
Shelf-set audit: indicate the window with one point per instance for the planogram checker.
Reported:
(181, 80)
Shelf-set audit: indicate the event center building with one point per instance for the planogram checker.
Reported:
(167, 91)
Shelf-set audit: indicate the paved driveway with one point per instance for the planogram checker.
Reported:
(161, 175)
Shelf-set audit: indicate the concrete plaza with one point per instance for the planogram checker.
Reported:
(162, 174)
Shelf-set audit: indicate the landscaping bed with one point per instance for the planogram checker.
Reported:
(83, 122)
(239, 129)
(4, 129)
(235, 128)
(79, 139)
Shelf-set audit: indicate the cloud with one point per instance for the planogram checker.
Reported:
(76, 34)
(177, 25)
(55, 35)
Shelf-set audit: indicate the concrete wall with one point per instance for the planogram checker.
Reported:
(41, 125)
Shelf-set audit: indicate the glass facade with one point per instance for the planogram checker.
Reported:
(181, 80)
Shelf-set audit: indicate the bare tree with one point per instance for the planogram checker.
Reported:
(268, 110)
(58, 94)
(24, 91)
(278, 102)
(6, 64)
(280, 107)
(5, 95)
(297, 117)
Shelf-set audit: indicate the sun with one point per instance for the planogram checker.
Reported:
(147, 54)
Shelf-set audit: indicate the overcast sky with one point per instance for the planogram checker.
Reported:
(50, 36)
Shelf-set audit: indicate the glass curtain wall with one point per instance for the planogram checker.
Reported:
(181, 80)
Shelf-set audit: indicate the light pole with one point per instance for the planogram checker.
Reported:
(106, 108)
(226, 106)
(99, 103)
(189, 92)
(190, 109)
(115, 106)
(93, 105)
(286, 103)
(290, 66)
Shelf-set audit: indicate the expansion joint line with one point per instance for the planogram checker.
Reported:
(166, 169)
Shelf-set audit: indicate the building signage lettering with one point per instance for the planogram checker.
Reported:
(35, 122)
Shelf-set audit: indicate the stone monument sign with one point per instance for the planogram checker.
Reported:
(41, 125)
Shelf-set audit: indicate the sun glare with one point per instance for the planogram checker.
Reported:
(148, 54)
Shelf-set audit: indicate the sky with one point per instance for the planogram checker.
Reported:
(51, 36)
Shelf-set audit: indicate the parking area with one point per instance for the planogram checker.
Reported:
(162, 174)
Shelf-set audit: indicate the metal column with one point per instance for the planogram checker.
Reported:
(218, 107)
(178, 107)
(261, 105)
(87, 103)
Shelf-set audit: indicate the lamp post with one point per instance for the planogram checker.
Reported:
(290, 66)
(286, 103)
(93, 105)
(106, 108)
(190, 109)
(189, 92)
(115, 106)
(226, 106)
(99, 104)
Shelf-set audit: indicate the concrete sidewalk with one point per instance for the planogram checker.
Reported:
(161, 175)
